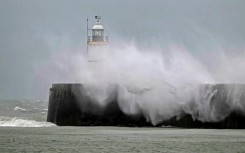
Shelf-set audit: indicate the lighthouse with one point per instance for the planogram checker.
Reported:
(97, 50)
(96, 43)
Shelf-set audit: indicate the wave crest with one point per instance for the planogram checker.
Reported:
(18, 122)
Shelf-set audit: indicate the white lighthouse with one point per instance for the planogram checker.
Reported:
(97, 49)
(97, 42)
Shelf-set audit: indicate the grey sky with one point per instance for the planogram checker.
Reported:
(30, 30)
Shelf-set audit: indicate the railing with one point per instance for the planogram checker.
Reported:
(97, 39)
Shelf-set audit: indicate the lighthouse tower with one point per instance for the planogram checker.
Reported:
(96, 43)
(97, 47)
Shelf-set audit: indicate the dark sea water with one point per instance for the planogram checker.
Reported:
(117, 139)
(23, 128)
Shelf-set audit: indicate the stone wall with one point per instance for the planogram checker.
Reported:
(71, 105)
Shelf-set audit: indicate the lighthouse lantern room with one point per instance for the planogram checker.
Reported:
(97, 37)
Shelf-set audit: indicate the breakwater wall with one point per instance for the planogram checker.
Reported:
(74, 105)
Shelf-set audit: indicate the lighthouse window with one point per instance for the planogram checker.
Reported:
(97, 32)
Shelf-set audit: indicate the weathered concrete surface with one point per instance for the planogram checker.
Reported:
(72, 105)
(63, 109)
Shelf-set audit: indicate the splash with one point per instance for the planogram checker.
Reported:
(159, 83)
(18, 122)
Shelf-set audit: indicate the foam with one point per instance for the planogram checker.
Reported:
(19, 109)
(18, 122)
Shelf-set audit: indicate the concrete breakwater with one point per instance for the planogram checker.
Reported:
(71, 105)
(74, 105)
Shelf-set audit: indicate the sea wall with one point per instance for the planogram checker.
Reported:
(63, 109)
(74, 105)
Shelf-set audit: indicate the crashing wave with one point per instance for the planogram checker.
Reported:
(18, 122)
(19, 109)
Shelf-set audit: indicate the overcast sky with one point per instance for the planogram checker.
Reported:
(30, 30)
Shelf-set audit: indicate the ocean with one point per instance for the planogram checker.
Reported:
(23, 128)
(24, 113)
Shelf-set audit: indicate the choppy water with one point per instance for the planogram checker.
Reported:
(116, 139)
(23, 113)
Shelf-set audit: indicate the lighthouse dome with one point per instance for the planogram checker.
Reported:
(98, 26)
